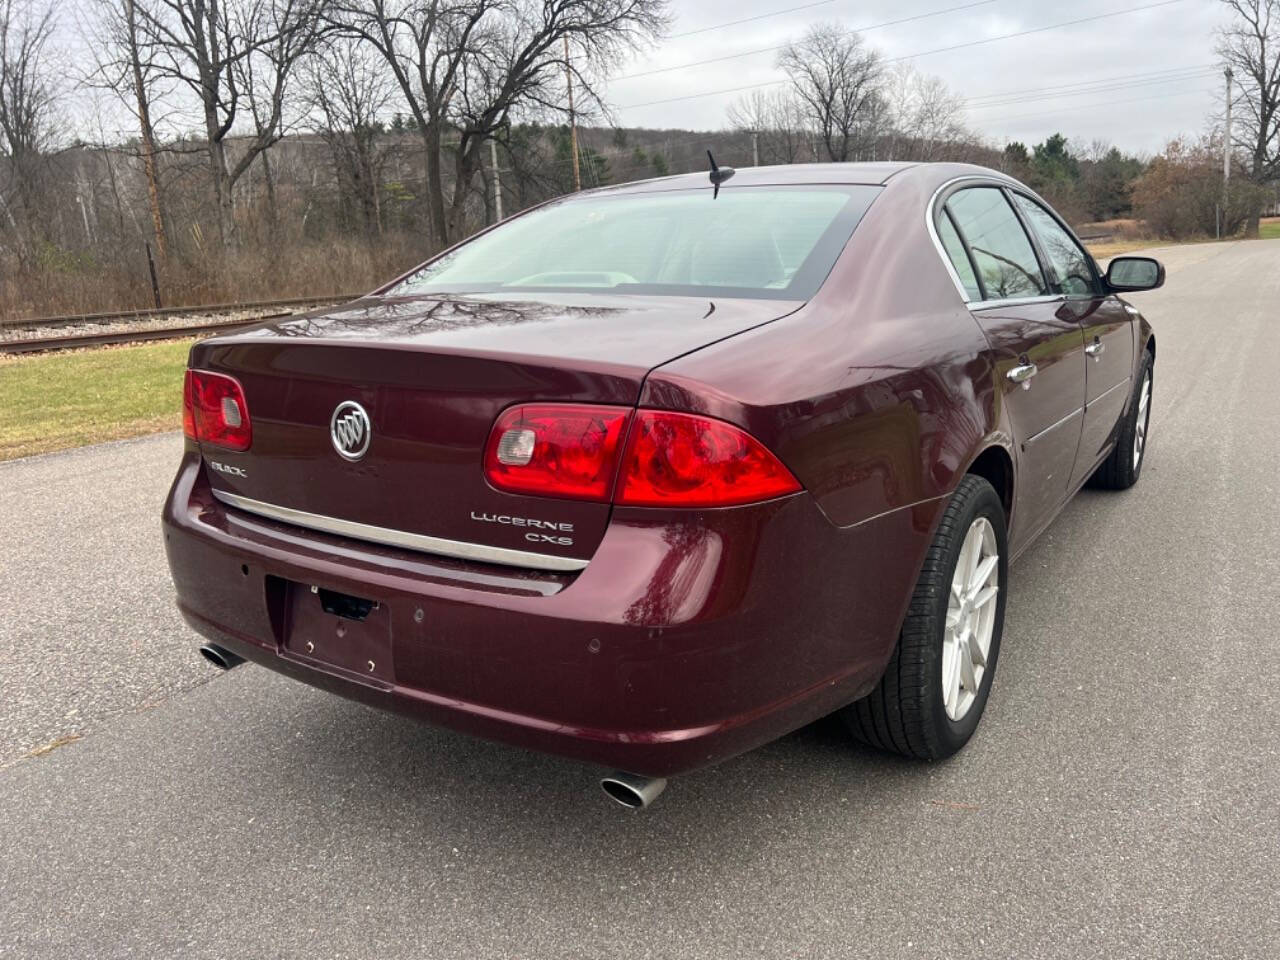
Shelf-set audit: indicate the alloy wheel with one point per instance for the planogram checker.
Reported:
(971, 618)
(1144, 416)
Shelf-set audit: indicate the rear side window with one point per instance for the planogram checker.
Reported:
(756, 242)
(958, 257)
(1001, 249)
(1069, 261)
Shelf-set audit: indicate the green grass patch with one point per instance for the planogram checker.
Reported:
(57, 400)
(1269, 229)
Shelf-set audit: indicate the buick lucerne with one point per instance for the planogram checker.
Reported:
(654, 474)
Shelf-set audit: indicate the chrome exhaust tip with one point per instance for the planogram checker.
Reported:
(220, 657)
(632, 790)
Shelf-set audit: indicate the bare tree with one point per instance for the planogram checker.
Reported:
(26, 104)
(124, 67)
(1250, 47)
(777, 120)
(837, 78)
(349, 90)
(204, 45)
(925, 116)
(469, 68)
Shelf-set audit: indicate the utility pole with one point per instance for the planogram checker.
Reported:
(1226, 153)
(1226, 140)
(755, 149)
(573, 124)
(497, 179)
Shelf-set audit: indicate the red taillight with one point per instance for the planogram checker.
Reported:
(188, 408)
(682, 460)
(556, 450)
(671, 459)
(214, 411)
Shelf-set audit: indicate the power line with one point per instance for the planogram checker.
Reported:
(1014, 98)
(1081, 83)
(1027, 33)
(775, 49)
(923, 53)
(762, 16)
(1105, 103)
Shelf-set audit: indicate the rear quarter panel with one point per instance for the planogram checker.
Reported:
(878, 393)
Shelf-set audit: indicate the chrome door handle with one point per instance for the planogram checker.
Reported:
(1095, 349)
(1022, 373)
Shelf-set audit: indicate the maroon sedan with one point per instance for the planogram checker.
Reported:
(655, 474)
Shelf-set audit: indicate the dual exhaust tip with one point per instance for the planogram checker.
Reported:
(633, 791)
(220, 657)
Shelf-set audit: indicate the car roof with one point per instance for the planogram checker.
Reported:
(874, 174)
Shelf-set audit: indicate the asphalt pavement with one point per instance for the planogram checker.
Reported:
(1121, 798)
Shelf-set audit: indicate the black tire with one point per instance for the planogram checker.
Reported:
(1121, 469)
(905, 713)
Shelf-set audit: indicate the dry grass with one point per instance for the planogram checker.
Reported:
(57, 400)
(62, 285)
(1113, 248)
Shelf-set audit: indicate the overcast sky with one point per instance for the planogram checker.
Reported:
(1135, 79)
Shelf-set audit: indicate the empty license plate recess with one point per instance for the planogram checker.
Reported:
(339, 630)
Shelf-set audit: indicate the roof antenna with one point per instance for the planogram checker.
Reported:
(718, 175)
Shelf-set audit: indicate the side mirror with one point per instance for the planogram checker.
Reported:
(1129, 274)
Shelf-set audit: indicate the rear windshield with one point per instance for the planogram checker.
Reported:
(755, 242)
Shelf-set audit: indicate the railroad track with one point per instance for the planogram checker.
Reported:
(118, 316)
(78, 340)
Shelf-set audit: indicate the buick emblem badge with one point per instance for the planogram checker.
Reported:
(350, 430)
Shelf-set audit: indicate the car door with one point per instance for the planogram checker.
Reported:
(1107, 327)
(1037, 348)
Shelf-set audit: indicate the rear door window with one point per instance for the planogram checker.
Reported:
(1002, 252)
(1067, 258)
(958, 256)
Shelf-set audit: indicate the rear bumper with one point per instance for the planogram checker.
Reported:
(686, 640)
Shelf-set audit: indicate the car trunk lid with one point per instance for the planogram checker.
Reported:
(433, 375)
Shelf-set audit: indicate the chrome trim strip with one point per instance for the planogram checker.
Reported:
(1052, 426)
(1122, 383)
(399, 538)
(1016, 301)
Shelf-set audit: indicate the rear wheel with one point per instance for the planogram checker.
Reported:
(933, 691)
(1123, 465)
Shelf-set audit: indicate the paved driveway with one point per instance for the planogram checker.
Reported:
(1122, 798)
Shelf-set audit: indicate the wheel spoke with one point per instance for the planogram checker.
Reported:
(983, 574)
(983, 597)
(974, 544)
(977, 655)
(967, 674)
(951, 678)
(963, 564)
